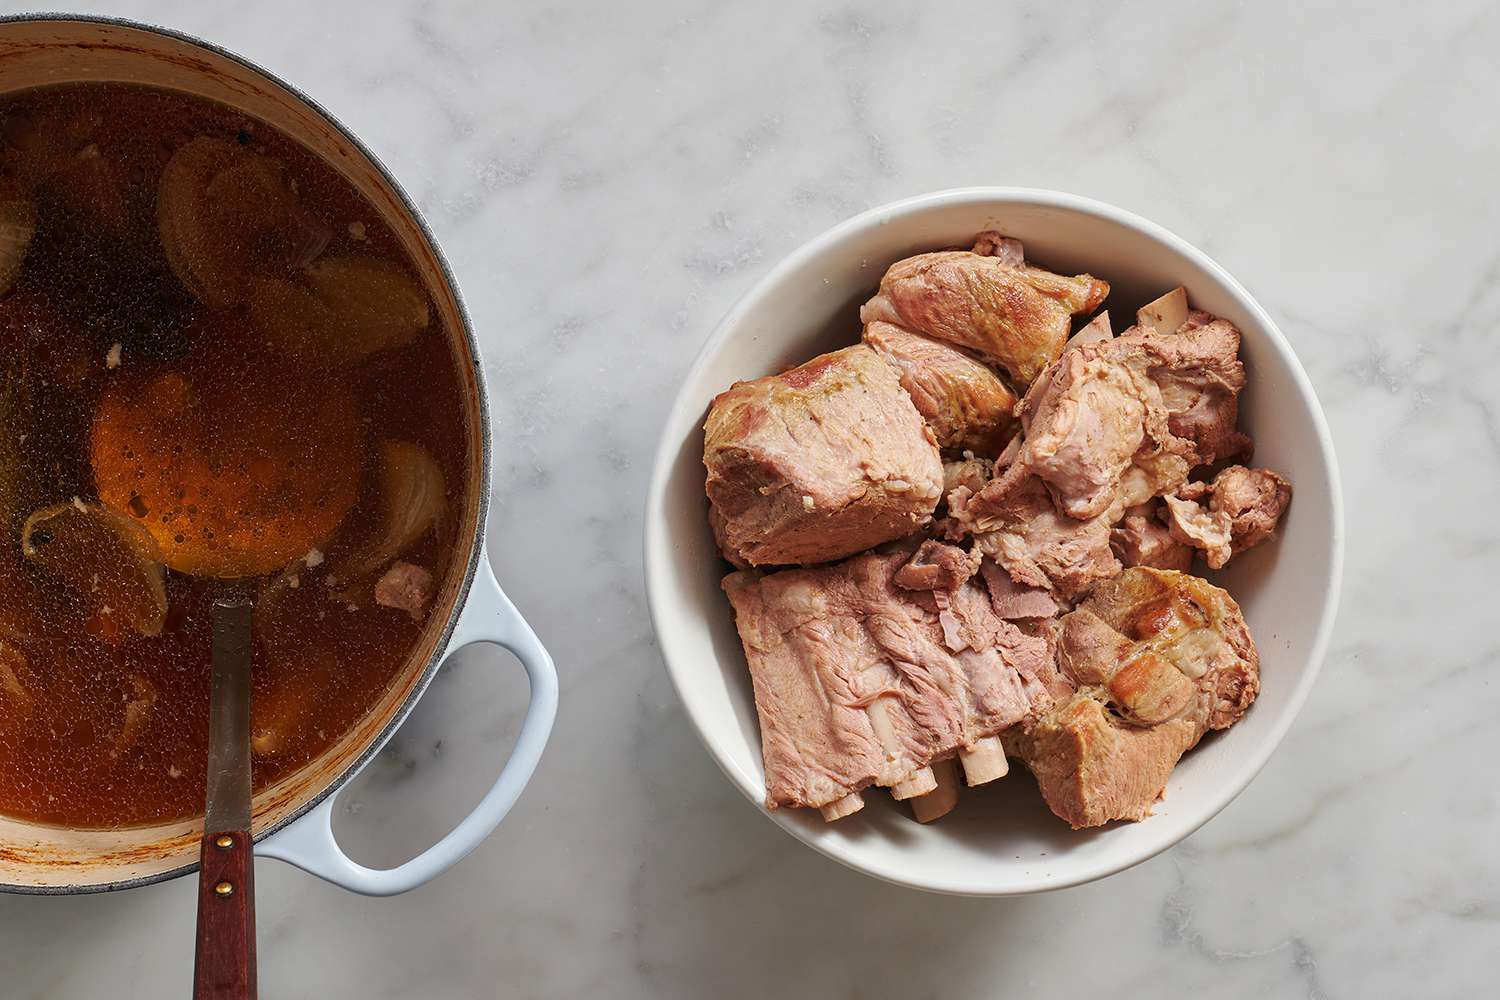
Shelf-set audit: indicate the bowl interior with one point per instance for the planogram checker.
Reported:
(43, 51)
(1001, 839)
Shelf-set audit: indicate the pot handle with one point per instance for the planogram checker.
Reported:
(309, 843)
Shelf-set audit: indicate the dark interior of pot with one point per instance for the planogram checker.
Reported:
(43, 856)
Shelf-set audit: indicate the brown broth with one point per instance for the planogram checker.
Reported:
(79, 746)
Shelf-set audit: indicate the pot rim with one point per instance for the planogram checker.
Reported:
(465, 322)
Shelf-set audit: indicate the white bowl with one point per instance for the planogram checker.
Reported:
(1001, 840)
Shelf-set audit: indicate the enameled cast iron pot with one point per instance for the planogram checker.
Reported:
(293, 819)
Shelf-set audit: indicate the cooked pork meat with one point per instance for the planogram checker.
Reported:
(1243, 508)
(1009, 251)
(892, 667)
(1013, 520)
(860, 682)
(405, 587)
(936, 566)
(1192, 525)
(1008, 676)
(1142, 539)
(1092, 769)
(1200, 376)
(1016, 317)
(822, 461)
(1254, 499)
(964, 402)
(972, 473)
(1014, 601)
(1158, 658)
(1096, 415)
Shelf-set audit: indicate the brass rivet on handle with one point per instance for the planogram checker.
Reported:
(224, 889)
(225, 841)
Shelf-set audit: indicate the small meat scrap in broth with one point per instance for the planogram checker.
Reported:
(215, 363)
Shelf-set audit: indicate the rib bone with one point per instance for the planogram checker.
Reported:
(940, 801)
(919, 782)
(846, 806)
(1166, 314)
(984, 761)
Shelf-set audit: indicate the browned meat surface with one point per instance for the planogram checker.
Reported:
(1015, 601)
(1142, 539)
(963, 401)
(936, 566)
(1014, 521)
(1158, 658)
(1016, 317)
(1244, 506)
(817, 463)
(859, 682)
(1092, 769)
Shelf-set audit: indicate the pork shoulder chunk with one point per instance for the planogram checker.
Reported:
(822, 461)
(1095, 416)
(1014, 521)
(963, 401)
(1193, 525)
(859, 682)
(1157, 659)
(937, 566)
(1244, 506)
(1014, 601)
(971, 473)
(1121, 420)
(1143, 539)
(1017, 317)
(1092, 769)
(1200, 376)
(1254, 500)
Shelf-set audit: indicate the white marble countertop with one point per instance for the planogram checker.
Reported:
(606, 180)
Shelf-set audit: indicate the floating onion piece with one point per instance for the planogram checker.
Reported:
(102, 555)
(17, 227)
(340, 310)
(137, 713)
(225, 212)
(37, 148)
(92, 188)
(13, 667)
(412, 499)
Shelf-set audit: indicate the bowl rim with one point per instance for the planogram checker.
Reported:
(685, 411)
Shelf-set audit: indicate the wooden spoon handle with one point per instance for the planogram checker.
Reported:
(224, 966)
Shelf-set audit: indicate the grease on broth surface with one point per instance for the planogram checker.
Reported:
(215, 363)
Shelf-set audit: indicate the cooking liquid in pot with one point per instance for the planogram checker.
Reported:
(213, 357)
